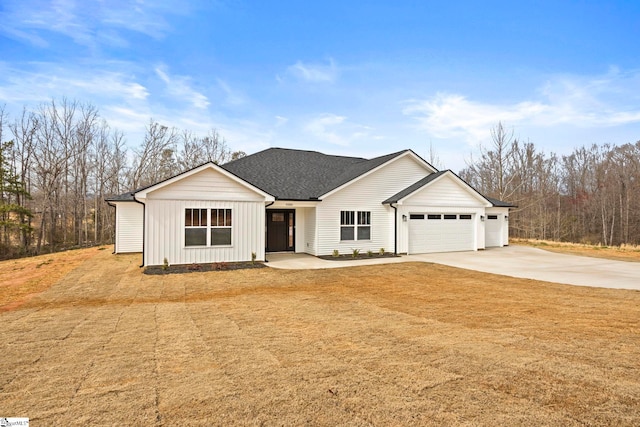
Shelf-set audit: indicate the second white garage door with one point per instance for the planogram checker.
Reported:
(493, 231)
(431, 232)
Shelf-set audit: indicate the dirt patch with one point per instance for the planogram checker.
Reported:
(618, 253)
(395, 344)
(201, 268)
(22, 279)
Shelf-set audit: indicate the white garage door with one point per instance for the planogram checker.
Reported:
(440, 232)
(493, 231)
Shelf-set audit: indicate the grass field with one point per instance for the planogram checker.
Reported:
(619, 253)
(398, 344)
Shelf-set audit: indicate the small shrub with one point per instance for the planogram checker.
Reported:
(253, 257)
(165, 264)
(381, 252)
(336, 253)
(369, 253)
(355, 253)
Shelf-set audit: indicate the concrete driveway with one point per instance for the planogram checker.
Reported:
(538, 264)
(515, 261)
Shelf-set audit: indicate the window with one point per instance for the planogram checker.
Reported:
(352, 225)
(465, 216)
(199, 231)
(492, 216)
(220, 227)
(195, 231)
(447, 216)
(434, 216)
(347, 222)
(416, 216)
(364, 225)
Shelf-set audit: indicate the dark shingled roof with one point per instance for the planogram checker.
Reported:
(125, 197)
(301, 175)
(499, 203)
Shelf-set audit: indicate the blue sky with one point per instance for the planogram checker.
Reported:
(360, 78)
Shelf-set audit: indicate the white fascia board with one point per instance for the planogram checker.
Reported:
(364, 175)
(142, 194)
(292, 204)
(459, 181)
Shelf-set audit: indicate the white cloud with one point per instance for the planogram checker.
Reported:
(314, 73)
(334, 129)
(179, 86)
(232, 97)
(38, 82)
(281, 121)
(87, 23)
(602, 101)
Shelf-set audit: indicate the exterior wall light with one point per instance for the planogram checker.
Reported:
(482, 218)
(506, 218)
(404, 218)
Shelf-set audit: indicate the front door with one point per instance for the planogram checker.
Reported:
(280, 230)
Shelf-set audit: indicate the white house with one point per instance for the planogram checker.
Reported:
(304, 201)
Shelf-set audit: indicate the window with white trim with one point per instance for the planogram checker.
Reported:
(195, 227)
(207, 227)
(364, 225)
(220, 227)
(355, 225)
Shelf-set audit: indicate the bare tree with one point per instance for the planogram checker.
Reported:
(198, 150)
(494, 170)
(155, 158)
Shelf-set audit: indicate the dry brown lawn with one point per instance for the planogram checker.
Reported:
(21, 279)
(619, 253)
(399, 344)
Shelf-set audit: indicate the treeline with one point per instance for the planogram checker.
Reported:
(589, 196)
(60, 160)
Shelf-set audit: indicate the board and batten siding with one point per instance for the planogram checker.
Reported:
(166, 224)
(444, 196)
(129, 227)
(206, 189)
(366, 194)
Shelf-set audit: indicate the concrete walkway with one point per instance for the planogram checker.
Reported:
(514, 261)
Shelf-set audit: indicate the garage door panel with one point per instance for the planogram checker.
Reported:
(493, 231)
(439, 234)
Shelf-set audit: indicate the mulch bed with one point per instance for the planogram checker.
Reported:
(198, 268)
(350, 257)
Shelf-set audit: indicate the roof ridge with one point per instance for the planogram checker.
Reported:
(317, 152)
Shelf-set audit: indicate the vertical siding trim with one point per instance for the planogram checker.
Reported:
(165, 228)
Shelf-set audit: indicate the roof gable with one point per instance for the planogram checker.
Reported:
(431, 180)
(144, 192)
(307, 175)
(360, 171)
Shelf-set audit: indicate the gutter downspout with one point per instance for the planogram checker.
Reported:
(144, 225)
(395, 229)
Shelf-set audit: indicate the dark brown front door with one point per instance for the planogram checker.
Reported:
(280, 230)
